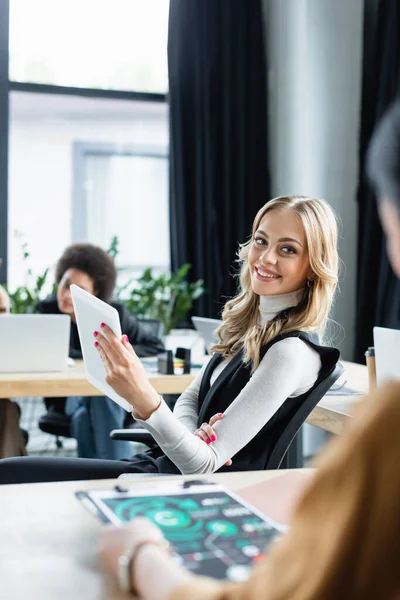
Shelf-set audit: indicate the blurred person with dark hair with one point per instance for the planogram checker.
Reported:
(92, 418)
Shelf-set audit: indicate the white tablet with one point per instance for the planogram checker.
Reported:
(89, 313)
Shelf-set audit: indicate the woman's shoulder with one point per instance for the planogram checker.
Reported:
(292, 345)
(295, 350)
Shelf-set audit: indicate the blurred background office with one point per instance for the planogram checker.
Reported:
(168, 123)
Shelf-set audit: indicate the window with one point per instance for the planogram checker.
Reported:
(123, 191)
(103, 44)
(87, 169)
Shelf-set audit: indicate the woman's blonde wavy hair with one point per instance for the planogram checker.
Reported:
(240, 329)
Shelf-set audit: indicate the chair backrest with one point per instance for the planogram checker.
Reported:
(297, 417)
(152, 326)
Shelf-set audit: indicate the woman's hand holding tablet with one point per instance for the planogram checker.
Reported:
(111, 363)
(125, 372)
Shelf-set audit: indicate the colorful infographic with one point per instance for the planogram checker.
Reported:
(211, 533)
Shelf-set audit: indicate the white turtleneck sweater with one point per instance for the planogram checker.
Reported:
(289, 368)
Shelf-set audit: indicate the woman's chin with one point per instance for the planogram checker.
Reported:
(266, 289)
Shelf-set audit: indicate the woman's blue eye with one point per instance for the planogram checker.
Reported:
(259, 241)
(288, 250)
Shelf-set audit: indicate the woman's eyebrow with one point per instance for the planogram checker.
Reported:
(284, 239)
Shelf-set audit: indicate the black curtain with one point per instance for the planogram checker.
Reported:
(218, 137)
(378, 290)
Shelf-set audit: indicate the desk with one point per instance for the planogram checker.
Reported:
(334, 412)
(331, 414)
(73, 382)
(48, 539)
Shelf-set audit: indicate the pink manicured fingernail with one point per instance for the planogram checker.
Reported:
(208, 441)
(102, 324)
(220, 414)
(213, 438)
(126, 338)
(95, 333)
(96, 344)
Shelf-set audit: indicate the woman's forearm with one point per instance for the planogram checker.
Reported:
(155, 575)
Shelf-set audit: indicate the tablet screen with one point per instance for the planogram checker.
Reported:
(212, 532)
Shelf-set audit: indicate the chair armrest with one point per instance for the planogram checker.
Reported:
(134, 435)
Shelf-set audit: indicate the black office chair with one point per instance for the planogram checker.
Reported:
(285, 429)
(153, 326)
(56, 422)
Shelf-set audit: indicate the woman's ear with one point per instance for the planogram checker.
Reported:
(310, 281)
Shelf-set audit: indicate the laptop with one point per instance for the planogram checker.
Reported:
(387, 354)
(34, 343)
(206, 328)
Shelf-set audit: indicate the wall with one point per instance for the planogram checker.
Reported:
(315, 59)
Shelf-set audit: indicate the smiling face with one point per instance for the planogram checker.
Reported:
(64, 298)
(278, 256)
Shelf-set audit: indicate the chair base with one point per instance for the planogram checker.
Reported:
(55, 423)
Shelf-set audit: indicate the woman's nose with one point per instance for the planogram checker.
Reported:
(269, 256)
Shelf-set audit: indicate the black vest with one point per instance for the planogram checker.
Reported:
(230, 382)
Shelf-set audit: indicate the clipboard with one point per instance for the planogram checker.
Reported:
(212, 531)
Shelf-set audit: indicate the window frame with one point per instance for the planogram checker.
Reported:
(4, 108)
(82, 150)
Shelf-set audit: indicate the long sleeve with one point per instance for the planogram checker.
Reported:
(185, 409)
(290, 367)
(143, 342)
(343, 541)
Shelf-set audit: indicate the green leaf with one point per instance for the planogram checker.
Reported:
(113, 250)
(168, 297)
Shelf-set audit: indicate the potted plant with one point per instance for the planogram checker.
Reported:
(167, 297)
(25, 297)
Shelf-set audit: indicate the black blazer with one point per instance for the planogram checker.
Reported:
(143, 342)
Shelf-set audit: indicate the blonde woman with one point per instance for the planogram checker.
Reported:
(268, 357)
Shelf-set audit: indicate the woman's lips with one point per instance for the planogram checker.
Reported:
(266, 275)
